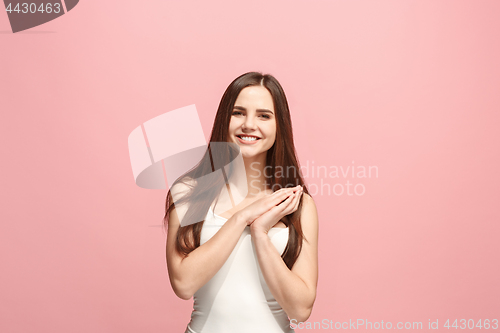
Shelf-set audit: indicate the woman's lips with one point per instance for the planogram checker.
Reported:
(247, 142)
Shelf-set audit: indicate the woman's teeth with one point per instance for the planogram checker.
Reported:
(248, 138)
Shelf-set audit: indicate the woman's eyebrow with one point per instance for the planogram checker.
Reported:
(258, 110)
(265, 110)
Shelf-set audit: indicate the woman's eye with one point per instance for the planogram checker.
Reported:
(266, 116)
(236, 113)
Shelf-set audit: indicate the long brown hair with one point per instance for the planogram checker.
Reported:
(281, 157)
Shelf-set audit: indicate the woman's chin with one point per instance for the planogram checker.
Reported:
(248, 154)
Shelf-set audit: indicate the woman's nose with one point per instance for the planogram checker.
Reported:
(249, 122)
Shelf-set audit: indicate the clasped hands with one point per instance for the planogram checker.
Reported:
(264, 213)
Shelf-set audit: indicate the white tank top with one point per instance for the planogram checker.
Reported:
(237, 298)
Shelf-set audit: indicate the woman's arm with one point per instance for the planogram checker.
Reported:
(294, 290)
(189, 273)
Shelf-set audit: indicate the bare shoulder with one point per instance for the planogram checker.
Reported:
(309, 214)
(308, 200)
(308, 206)
(183, 185)
(176, 193)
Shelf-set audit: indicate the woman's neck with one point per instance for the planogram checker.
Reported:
(257, 181)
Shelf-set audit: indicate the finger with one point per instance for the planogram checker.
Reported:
(298, 195)
(281, 190)
(277, 198)
(292, 205)
(298, 201)
(278, 210)
(285, 204)
(274, 200)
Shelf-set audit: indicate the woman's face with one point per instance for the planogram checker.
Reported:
(253, 121)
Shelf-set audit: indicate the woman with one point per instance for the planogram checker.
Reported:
(253, 267)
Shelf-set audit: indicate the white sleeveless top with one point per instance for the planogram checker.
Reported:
(237, 298)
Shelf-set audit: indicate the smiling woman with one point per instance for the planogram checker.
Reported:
(254, 267)
(253, 124)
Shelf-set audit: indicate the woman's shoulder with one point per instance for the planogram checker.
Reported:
(309, 213)
(181, 188)
(183, 185)
(308, 201)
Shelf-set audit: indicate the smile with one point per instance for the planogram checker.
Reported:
(247, 139)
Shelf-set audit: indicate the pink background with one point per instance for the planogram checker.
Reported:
(411, 87)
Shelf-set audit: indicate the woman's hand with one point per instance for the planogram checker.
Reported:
(261, 206)
(267, 220)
